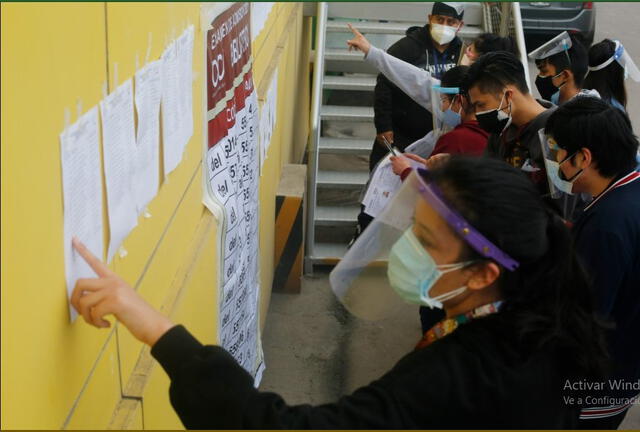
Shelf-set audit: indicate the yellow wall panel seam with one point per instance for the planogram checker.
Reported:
(186, 271)
(145, 364)
(120, 377)
(129, 362)
(167, 226)
(86, 381)
(124, 414)
(169, 305)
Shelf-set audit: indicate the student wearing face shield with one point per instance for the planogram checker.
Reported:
(434, 48)
(459, 133)
(472, 237)
(458, 129)
(419, 84)
(562, 66)
(590, 148)
(415, 82)
(609, 66)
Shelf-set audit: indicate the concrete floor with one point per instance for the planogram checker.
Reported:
(315, 351)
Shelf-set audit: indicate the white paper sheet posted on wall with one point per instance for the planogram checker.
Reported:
(177, 98)
(230, 169)
(82, 196)
(268, 118)
(259, 15)
(119, 149)
(148, 93)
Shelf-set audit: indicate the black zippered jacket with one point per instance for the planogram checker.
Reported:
(396, 111)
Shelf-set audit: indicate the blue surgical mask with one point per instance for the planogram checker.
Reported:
(412, 272)
(452, 118)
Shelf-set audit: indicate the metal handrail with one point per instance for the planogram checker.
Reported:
(316, 102)
(519, 31)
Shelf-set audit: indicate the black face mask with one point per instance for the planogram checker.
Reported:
(545, 87)
(494, 121)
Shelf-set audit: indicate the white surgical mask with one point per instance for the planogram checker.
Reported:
(554, 173)
(442, 34)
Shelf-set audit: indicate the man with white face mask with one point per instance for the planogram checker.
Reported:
(434, 47)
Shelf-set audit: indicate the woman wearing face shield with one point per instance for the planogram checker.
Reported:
(472, 237)
(609, 66)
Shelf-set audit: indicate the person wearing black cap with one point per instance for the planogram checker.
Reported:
(434, 47)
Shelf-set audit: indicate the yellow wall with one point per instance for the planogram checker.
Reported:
(56, 374)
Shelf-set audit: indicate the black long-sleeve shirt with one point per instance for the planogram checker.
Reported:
(478, 377)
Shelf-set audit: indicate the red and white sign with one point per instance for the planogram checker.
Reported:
(230, 167)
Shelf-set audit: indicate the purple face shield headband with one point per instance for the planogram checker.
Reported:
(477, 241)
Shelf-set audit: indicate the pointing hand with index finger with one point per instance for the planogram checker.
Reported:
(359, 42)
(109, 294)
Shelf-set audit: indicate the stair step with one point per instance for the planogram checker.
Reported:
(336, 215)
(328, 253)
(466, 32)
(342, 179)
(364, 83)
(343, 54)
(344, 145)
(346, 113)
(372, 27)
(398, 11)
(469, 33)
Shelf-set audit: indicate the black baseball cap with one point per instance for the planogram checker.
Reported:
(450, 9)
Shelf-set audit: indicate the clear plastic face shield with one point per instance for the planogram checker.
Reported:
(621, 56)
(560, 43)
(389, 265)
(445, 118)
(544, 81)
(559, 186)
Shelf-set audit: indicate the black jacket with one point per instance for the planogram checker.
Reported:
(479, 377)
(520, 145)
(396, 111)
